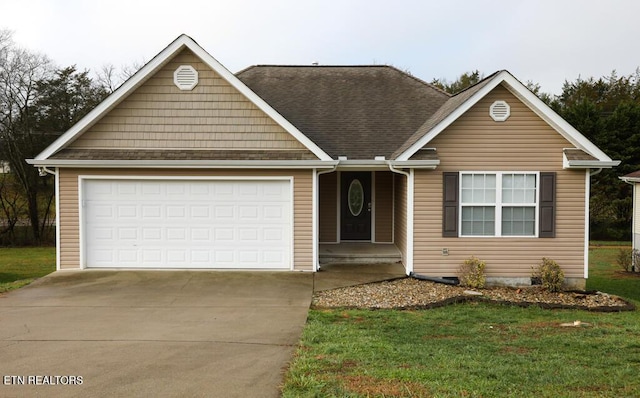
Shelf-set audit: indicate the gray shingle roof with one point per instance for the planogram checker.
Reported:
(635, 174)
(354, 111)
(577, 154)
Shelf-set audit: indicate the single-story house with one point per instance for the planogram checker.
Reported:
(634, 180)
(187, 165)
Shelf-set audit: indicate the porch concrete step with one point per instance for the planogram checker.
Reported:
(359, 253)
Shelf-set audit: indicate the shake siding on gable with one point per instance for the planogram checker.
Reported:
(522, 143)
(214, 115)
(70, 224)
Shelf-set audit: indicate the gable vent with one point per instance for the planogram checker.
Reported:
(185, 77)
(500, 111)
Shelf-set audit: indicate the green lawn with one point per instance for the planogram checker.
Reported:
(474, 349)
(605, 275)
(20, 266)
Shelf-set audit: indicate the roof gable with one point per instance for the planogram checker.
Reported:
(463, 101)
(521, 143)
(158, 115)
(149, 70)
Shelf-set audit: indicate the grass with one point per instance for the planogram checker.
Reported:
(474, 349)
(614, 243)
(606, 276)
(21, 266)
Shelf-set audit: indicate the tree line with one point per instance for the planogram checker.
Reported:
(39, 101)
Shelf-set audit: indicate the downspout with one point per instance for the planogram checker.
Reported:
(409, 248)
(43, 171)
(316, 210)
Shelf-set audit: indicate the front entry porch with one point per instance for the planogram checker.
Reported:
(359, 253)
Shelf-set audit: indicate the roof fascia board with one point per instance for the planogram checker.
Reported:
(453, 116)
(251, 164)
(591, 164)
(630, 180)
(415, 164)
(153, 66)
(535, 104)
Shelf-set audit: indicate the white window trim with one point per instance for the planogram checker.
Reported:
(499, 205)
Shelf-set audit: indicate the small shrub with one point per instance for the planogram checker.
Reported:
(471, 273)
(550, 275)
(624, 259)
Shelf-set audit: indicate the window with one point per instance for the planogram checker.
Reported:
(499, 204)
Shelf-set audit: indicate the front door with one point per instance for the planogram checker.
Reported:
(355, 205)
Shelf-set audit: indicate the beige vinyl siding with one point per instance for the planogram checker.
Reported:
(69, 210)
(400, 214)
(636, 217)
(214, 115)
(636, 208)
(522, 143)
(328, 207)
(303, 219)
(383, 207)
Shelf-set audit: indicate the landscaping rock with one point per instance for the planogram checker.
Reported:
(412, 293)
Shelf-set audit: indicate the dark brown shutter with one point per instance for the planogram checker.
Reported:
(450, 204)
(547, 205)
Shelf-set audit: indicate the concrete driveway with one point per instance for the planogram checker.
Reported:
(148, 333)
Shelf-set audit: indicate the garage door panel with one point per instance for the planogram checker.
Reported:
(188, 224)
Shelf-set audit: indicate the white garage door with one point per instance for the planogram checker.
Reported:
(187, 223)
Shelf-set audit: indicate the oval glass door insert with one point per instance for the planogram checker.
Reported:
(355, 197)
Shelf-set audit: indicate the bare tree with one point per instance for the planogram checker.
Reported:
(111, 78)
(20, 71)
(108, 77)
(12, 206)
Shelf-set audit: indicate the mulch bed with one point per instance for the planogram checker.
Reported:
(409, 293)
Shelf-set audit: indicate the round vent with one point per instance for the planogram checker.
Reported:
(185, 77)
(500, 111)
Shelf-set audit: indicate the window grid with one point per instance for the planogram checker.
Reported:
(511, 210)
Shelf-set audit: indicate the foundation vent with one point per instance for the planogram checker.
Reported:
(500, 111)
(185, 77)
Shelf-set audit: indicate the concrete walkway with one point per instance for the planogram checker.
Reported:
(333, 276)
(147, 333)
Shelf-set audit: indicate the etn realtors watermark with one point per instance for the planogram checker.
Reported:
(41, 380)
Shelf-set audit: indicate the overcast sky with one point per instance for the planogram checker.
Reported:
(542, 41)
